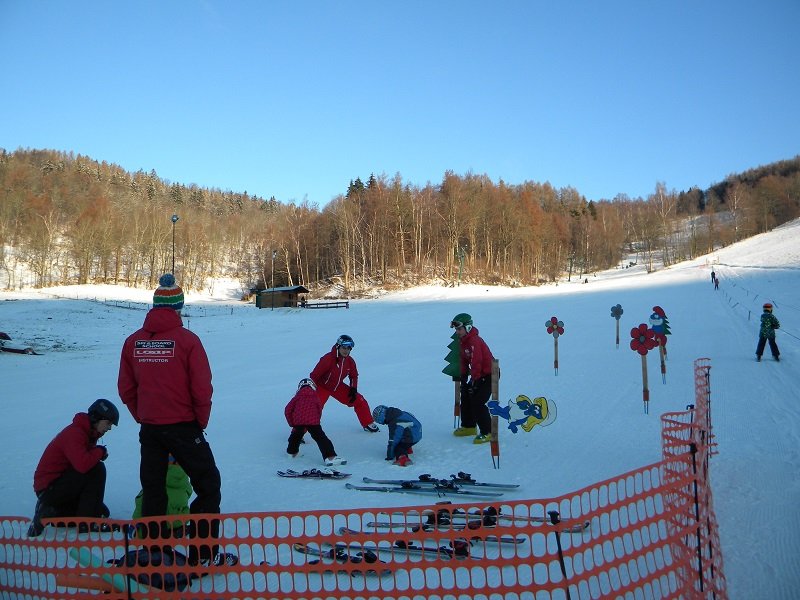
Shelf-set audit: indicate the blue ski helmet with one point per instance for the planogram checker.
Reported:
(378, 414)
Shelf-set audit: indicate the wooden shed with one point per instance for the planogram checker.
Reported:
(280, 297)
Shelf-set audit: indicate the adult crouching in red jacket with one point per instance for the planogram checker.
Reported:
(329, 375)
(70, 479)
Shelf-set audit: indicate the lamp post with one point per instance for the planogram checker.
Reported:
(274, 254)
(174, 220)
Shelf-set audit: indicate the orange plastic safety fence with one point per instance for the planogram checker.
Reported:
(648, 533)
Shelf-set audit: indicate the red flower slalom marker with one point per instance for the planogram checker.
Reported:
(555, 328)
(643, 340)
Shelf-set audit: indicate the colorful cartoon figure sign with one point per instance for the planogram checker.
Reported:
(660, 326)
(524, 412)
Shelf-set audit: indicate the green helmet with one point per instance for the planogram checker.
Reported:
(462, 319)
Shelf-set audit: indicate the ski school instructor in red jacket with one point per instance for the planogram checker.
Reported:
(329, 375)
(165, 381)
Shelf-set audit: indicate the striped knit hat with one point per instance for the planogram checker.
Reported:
(168, 294)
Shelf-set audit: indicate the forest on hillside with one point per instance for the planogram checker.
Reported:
(70, 219)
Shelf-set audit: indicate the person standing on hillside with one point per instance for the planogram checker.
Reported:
(165, 381)
(304, 413)
(713, 276)
(70, 479)
(476, 381)
(329, 375)
(766, 333)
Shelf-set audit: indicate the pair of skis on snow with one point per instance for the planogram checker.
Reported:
(327, 555)
(459, 520)
(426, 484)
(324, 473)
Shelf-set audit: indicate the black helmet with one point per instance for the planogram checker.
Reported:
(103, 409)
(346, 341)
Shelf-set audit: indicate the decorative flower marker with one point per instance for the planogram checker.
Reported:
(556, 328)
(660, 325)
(616, 312)
(643, 340)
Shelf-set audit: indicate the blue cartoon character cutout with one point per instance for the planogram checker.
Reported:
(524, 412)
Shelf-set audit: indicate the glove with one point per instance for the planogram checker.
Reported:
(353, 393)
(390, 450)
(105, 453)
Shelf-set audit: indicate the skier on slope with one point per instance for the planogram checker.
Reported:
(329, 375)
(404, 431)
(766, 333)
(303, 413)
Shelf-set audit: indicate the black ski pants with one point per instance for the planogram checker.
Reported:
(474, 411)
(75, 494)
(773, 347)
(187, 443)
(318, 435)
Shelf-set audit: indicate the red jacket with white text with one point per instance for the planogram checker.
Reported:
(164, 375)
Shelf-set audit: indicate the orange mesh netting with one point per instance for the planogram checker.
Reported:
(648, 533)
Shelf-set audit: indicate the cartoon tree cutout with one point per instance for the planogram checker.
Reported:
(616, 312)
(555, 328)
(453, 370)
(642, 341)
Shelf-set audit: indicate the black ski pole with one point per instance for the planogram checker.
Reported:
(555, 520)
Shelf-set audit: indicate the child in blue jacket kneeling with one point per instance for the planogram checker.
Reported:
(404, 431)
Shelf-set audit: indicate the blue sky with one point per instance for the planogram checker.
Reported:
(295, 99)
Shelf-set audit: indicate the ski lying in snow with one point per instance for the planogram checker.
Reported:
(461, 549)
(485, 518)
(339, 554)
(415, 488)
(453, 481)
(314, 474)
(462, 478)
(427, 528)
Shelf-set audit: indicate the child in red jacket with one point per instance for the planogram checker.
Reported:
(303, 413)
